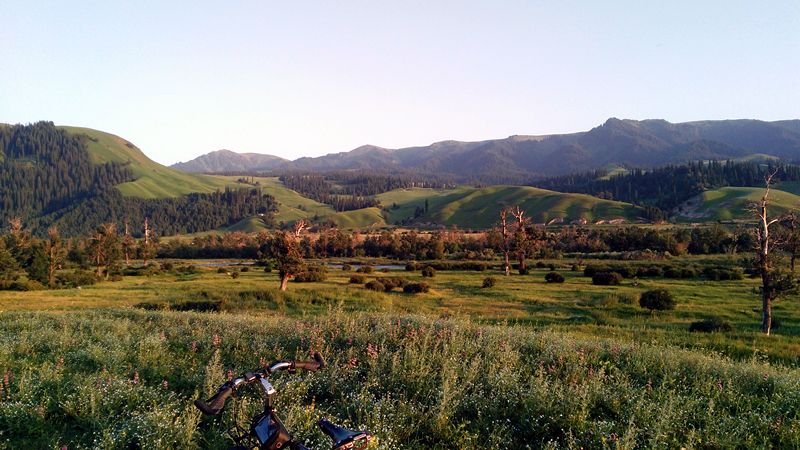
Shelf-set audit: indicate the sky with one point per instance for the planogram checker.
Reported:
(306, 78)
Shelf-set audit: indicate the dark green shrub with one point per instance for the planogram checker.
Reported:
(428, 272)
(652, 271)
(234, 275)
(721, 274)
(524, 271)
(365, 269)
(416, 288)
(554, 277)
(312, 274)
(606, 278)
(552, 267)
(590, 270)
(375, 285)
(489, 282)
(710, 325)
(657, 299)
(540, 265)
(672, 272)
(390, 283)
(199, 305)
(75, 279)
(357, 279)
(222, 270)
(167, 266)
(347, 267)
(245, 269)
(575, 268)
(411, 266)
(151, 306)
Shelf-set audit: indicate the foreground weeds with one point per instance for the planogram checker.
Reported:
(126, 379)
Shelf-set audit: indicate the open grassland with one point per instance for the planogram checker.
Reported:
(471, 207)
(126, 379)
(732, 203)
(523, 364)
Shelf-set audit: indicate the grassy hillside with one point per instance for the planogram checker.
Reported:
(153, 179)
(479, 208)
(731, 203)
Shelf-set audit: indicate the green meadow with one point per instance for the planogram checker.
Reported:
(522, 364)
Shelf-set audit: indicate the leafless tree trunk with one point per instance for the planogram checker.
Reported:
(504, 233)
(762, 256)
(521, 237)
(146, 252)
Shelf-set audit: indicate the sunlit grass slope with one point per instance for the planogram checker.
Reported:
(479, 208)
(152, 179)
(732, 203)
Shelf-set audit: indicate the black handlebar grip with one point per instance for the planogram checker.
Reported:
(215, 404)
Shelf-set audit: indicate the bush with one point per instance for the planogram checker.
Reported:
(375, 285)
(222, 270)
(657, 299)
(416, 288)
(312, 274)
(554, 277)
(575, 268)
(721, 274)
(365, 269)
(347, 267)
(234, 275)
(357, 279)
(523, 271)
(606, 278)
(167, 266)
(552, 267)
(245, 269)
(711, 325)
(489, 282)
(652, 271)
(428, 272)
(75, 279)
(115, 278)
(390, 283)
(411, 266)
(590, 270)
(540, 265)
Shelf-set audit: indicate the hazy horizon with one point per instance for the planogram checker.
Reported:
(183, 79)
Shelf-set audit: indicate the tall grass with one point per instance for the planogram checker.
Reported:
(126, 379)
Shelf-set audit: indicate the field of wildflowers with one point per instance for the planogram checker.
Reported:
(126, 378)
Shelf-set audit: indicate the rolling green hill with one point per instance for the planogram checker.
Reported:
(152, 179)
(156, 181)
(479, 208)
(731, 203)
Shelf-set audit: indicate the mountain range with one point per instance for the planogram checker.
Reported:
(630, 143)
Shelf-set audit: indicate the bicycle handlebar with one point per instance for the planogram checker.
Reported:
(216, 403)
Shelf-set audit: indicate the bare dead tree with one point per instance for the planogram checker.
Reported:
(506, 241)
(520, 237)
(770, 284)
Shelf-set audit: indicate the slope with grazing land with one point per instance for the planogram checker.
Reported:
(479, 208)
(152, 179)
(731, 203)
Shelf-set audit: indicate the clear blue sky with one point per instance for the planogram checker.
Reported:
(307, 78)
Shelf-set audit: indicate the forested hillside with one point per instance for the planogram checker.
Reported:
(667, 187)
(49, 177)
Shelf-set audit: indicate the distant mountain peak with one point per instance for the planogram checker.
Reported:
(628, 142)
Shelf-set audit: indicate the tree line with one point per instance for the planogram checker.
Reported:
(47, 179)
(667, 187)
